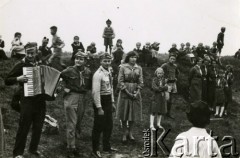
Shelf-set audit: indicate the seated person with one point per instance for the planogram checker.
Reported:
(76, 46)
(173, 51)
(237, 54)
(118, 52)
(200, 51)
(92, 48)
(17, 49)
(44, 52)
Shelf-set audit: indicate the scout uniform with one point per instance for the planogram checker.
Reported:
(102, 91)
(78, 82)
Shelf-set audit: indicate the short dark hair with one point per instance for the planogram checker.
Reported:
(17, 34)
(130, 54)
(199, 114)
(53, 28)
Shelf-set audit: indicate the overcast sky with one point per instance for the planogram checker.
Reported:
(165, 21)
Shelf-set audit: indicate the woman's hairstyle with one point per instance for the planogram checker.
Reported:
(17, 34)
(130, 54)
(199, 114)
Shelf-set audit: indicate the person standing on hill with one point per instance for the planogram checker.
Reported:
(195, 81)
(173, 50)
(104, 106)
(228, 89)
(212, 82)
(204, 69)
(32, 109)
(108, 35)
(220, 40)
(76, 46)
(57, 45)
(77, 81)
(129, 106)
(1, 135)
(2, 52)
(171, 73)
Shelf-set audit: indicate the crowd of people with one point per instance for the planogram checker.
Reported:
(208, 85)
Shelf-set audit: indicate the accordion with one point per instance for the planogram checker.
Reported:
(41, 80)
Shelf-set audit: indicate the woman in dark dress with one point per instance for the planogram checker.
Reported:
(2, 52)
(204, 69)
(195, 81)
(212, 76)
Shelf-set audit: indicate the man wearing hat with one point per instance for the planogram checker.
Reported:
(108, 35)
(32, 109)
(220, 40)
(77, 82)
(103, 97)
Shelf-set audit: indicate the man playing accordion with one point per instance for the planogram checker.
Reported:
(32, 109)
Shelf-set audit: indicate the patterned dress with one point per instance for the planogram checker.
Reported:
(159, 105)
(130, 79)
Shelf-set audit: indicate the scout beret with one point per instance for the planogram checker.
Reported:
(81, 54)
(108, 21)
(104, 55)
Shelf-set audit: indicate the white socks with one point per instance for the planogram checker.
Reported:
(221, 111)
(152, 122)
(159, 118)
(217, 110)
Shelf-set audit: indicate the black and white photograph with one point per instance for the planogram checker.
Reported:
(119, 78)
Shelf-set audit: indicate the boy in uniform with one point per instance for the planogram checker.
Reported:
(171, 73)
(102, 91)
(77, 82)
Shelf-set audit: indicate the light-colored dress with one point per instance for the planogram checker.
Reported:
(130, 79)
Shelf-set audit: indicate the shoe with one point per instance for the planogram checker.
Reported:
(110, 150)
(153, 129)
(171, 117)
(132, 139)
(36, 153)
(76, 152)
(96, 154)
(19, 156)
(70, 153)
(160, 127)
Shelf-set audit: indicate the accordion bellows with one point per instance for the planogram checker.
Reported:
(41, 80)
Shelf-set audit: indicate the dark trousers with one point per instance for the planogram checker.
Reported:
(32, 112)
(102, 124)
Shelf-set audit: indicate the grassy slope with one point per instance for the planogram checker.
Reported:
(54, 145)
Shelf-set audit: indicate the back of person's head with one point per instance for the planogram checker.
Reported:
(199, 114)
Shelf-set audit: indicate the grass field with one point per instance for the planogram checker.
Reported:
(53, 146)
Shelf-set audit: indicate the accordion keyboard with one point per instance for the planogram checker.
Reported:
(28, 86)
